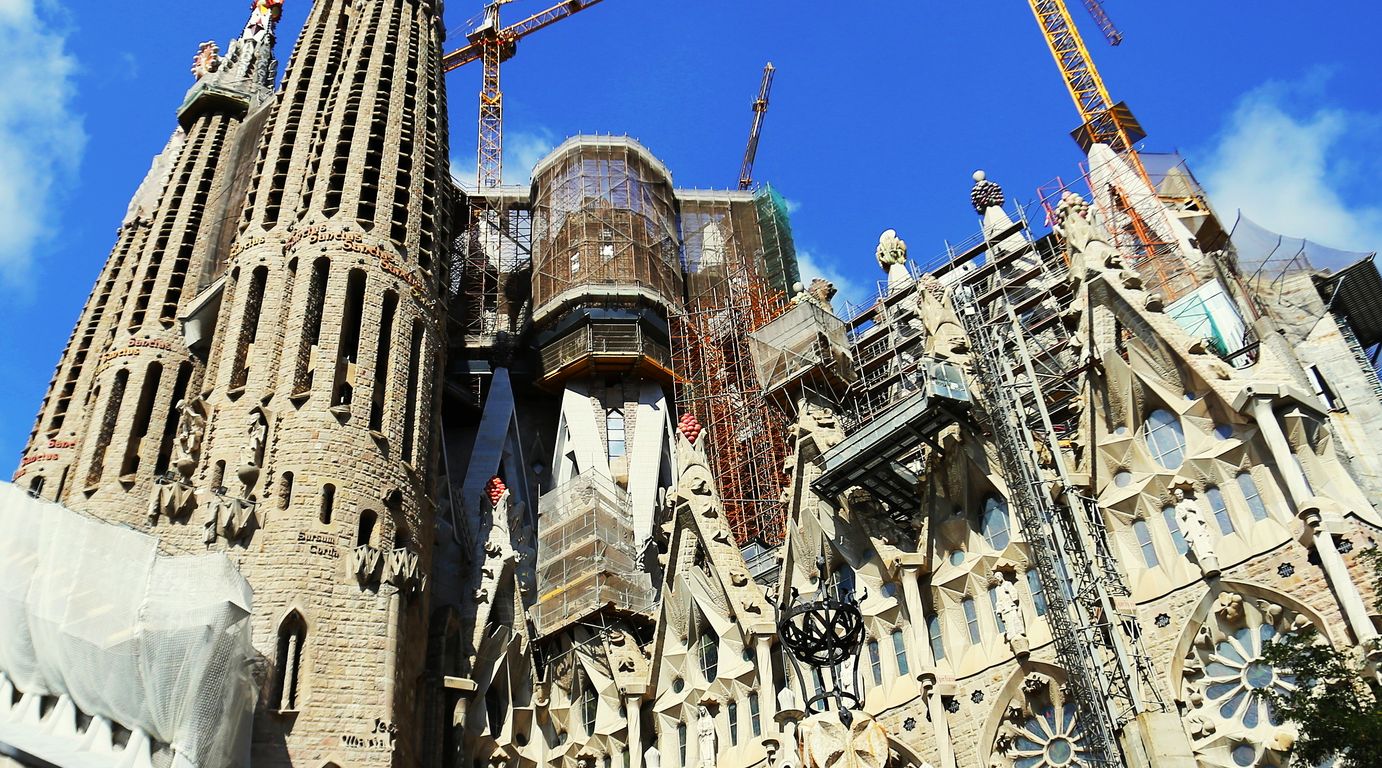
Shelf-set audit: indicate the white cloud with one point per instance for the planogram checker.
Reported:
(851, 291)
(1284, 170)
(41, 135)
(522, 149)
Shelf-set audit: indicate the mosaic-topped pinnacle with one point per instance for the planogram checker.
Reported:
(986, 194)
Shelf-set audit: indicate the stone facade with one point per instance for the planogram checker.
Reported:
(513, 550)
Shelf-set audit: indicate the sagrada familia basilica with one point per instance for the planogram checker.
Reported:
(348, 465)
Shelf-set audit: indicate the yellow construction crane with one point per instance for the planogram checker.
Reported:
(1103, 121)
(495, 45)
(760, 110)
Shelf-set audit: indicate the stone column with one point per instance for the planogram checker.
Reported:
(926, 673)
(1335, 570)
(767, 689)
(633, 705)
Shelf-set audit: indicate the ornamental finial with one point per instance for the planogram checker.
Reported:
(986, 194)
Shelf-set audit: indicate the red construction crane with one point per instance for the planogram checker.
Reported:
(760, 110)
(495, 45)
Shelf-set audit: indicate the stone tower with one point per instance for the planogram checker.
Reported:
(320, 386)
(267, 390)
(106, 428)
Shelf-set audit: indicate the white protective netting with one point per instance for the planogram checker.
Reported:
(158, 644)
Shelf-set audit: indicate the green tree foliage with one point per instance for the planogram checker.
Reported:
(1337, 705)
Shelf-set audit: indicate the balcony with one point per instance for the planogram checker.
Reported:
(605, 348)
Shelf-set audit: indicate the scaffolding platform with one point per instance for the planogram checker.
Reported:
(587, 560)
(874, 456)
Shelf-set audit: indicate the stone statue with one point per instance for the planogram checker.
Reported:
(207, 60)
(705, 733)
(256, 430)
(191, 427)
(892, 250)
(1010, 609)
(1195, 528)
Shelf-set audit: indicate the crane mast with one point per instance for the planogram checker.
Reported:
(760, 111)
(1102, 121)
(494, 45)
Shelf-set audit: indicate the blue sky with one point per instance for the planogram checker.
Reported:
(880, 113)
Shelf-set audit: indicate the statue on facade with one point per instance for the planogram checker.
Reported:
(252, 458)
(191, 428)
(1195, 528)
(1009, 609)
(705, 733)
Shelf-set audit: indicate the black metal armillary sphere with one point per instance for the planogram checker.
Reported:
(822, 631)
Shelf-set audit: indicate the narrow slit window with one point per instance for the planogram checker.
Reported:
(170, 424)
(900, 653)
(1144, 540)
(876, 662)
(997, 617)
(732, 712)
(285, 490)
(311, 327)
(328, 506)
(933, 630)
(103, 438)
(755, 719)
(1038, 597)
(410, 401)
(292, 637)
(365, 533)
(1216, 503)
(971, 620)
(614, 428)
(1252, 496)
(249, 327)
(381, 362)
(349, 350)
(143, 410)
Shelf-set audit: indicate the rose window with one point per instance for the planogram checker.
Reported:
(1050, 739)
(1236, 676)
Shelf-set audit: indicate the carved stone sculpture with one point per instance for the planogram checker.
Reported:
(705, 734)
(828, 743)
(1010, 609)
(191, 427)
(1195, 528)
(892, 250)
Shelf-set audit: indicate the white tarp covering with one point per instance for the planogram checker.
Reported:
(90, 613)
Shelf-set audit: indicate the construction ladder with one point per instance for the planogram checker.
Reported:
(1095, 635)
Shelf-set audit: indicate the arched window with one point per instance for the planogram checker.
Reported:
(285, 490)
(1168, 513)
(292, 637)
(365, 534)
(709, 649)
(900, 651)
(328, 503)
(971, 619)
(1165, 438)
(681, 743)
(732, 712)
(933, 629)
(614, 429)
(755, 719)
(876, 662)
(1144, 540)
(1252, 496)
(1216, 503)
(995, 523)
(590, 705)
(1038, 597)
